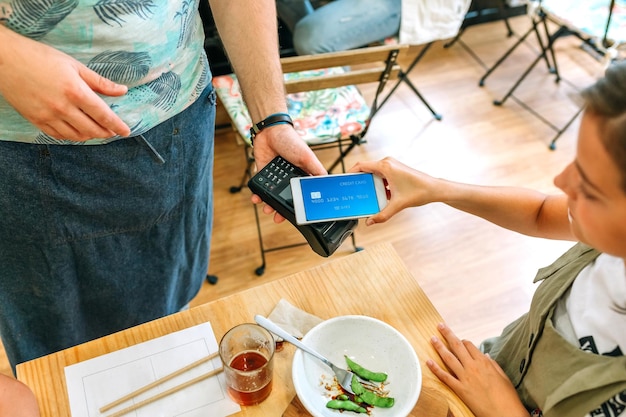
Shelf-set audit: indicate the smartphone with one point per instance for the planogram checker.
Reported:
(337, 197)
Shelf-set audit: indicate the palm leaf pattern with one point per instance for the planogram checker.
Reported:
(202, 82)
(111, 12)
(37, 18)
(185, 14)
(45, 139)
(166, 87)
(161, 93)
(121, 66)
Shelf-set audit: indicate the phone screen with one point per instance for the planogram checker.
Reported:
(340, 196)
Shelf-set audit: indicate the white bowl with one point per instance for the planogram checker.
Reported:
(371, 343)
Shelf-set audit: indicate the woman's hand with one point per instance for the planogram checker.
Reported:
(55, 92)
(407, 186)
(476, 378)
(283, 140)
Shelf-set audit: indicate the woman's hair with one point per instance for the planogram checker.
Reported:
(607, 99)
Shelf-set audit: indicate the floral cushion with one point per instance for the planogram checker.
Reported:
(319, 116)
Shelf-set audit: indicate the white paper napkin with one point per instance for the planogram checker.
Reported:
(294, 320)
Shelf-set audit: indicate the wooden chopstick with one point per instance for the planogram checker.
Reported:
(160, 381)
(166, 393)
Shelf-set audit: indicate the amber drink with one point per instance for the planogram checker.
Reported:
(247, 353)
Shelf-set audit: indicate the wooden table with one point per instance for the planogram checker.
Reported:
(373, 282)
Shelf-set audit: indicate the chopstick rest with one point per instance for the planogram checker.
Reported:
(160, 381)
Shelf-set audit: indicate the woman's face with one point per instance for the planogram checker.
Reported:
(596, 201)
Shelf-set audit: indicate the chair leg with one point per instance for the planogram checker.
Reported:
(503, 16)
(552, 145)
(235, 189)
(354, 141)
(551, 39)
(404, 77)
(261, 269)
(354, 245)
(410, 84)
(562, 31)
(532, 29)
(509, 30)
(456, 38)
(247, 173)
(481, 82)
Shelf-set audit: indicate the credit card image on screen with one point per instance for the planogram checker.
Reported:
(337, 197)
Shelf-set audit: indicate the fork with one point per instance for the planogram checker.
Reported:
(344, 377)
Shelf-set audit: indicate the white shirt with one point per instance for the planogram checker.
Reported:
(426, 21)
(592, 315)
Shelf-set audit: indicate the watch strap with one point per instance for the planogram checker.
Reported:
(271, 120)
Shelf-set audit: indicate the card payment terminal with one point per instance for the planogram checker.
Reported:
(272, 184)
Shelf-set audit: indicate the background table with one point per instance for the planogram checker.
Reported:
(373, 282)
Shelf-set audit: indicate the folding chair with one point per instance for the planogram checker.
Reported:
(422, 24)
(403, 77)
(599, 24)
(323, 100)
(485, 11)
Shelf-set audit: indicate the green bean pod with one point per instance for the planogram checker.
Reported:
(369, 397)
(345, 405)
(365, 373)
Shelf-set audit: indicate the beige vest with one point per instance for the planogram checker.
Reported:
(548, 372)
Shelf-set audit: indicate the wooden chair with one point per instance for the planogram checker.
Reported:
(324, 102)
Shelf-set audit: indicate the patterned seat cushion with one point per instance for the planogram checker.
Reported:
(319, 116)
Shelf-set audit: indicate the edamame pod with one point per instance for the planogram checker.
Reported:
(345, 405)
(369, 397)
(365, 373)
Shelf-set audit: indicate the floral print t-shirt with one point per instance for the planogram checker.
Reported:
(155, 47)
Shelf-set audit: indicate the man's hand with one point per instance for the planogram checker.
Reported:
(283, 140)
(476, 378)
(55, 92)
(249, 32)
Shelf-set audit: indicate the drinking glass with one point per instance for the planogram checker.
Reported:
(247, 354)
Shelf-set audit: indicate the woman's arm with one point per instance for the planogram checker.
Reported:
(519, 209)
